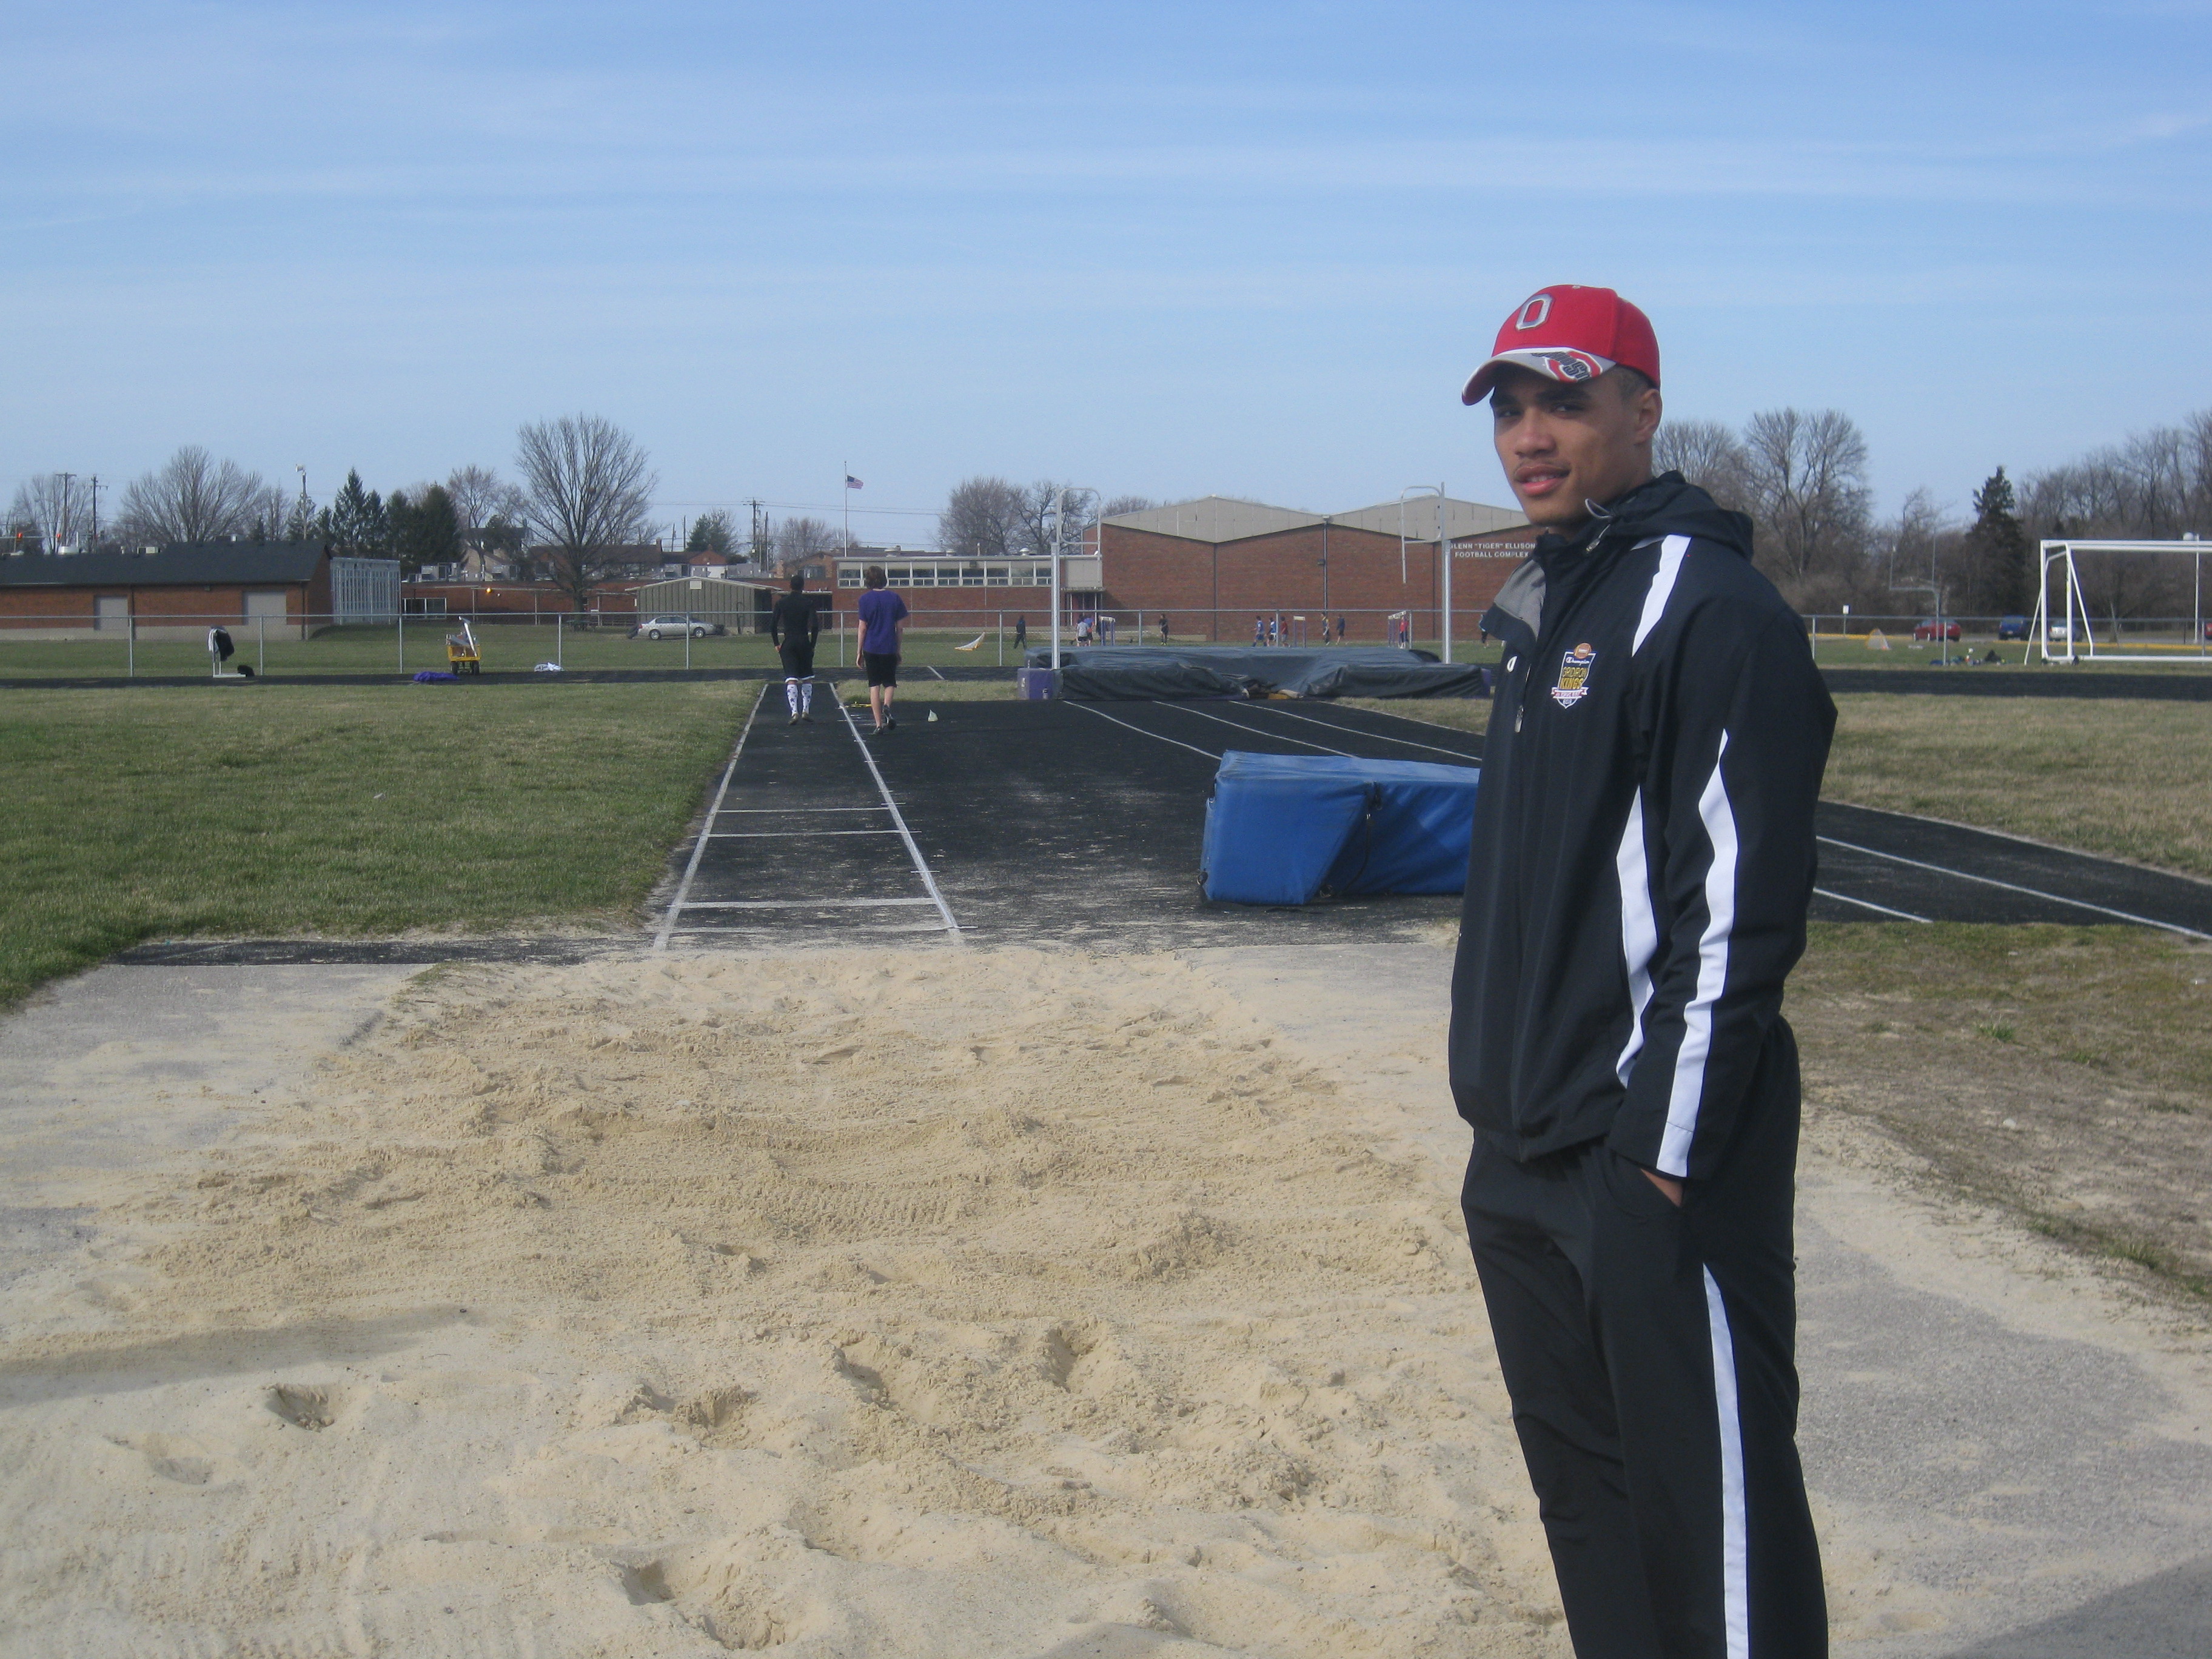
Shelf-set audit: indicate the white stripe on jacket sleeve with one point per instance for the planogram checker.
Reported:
(1688, 1093)
(1640, 931)
(1671, 550)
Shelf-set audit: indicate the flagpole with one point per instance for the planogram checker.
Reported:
(845, 503)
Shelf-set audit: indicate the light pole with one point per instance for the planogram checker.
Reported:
(1059, 526)
(1444, 549)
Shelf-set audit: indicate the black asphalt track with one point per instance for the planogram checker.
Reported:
(1082, 821)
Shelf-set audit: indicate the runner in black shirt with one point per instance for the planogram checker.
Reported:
(793, 626)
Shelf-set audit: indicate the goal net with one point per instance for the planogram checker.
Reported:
(2117, 601)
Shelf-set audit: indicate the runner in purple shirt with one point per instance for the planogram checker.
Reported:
(883, 625)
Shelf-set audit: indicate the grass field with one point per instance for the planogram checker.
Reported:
(2064, 1073)
(506, 648)
(2132, 779)
(279, 811)
(2129, 780)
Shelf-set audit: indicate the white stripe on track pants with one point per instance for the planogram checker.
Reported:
(1650, 1353)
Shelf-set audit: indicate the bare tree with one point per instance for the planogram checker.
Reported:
(2156, 486)
(56, 508)
(194, 497)
(983, 517)
(479, 495)
(801, 540)
(589, 484)
(1117, 505)
(1041, 502)
(1808, 492)
(1710, 456)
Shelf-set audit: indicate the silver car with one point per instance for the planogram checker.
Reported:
(653, 627)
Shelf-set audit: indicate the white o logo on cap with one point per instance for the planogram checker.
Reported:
(1533, 313)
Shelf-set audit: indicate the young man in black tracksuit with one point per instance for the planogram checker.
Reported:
(1643, 858)
(793, 628)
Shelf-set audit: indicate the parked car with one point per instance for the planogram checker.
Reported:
(1928, 628)
(2012, 628)
(653, 627)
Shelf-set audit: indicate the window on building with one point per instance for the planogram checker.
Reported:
(994, 575)
(971, 575)
(849, 576)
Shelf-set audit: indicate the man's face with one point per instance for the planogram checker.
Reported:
(1566, 442)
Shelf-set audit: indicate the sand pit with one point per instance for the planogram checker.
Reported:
(970, 1303)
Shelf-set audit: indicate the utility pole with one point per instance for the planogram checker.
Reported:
(760, 533)
(93, 540)
(68, 511)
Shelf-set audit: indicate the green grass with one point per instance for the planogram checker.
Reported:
(511, 647)
(2056, 1070)
(2132, 779)
(282, 811)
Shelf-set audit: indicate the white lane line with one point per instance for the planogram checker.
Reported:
(1845, 898)
(1118, 721)
(779, 835)
(2014, 887)
(1361, 732)
(766, 930)
(1254, 731)
(802, 904)
(920, 864)
(699, 847)
(793, 811)
(937, 672)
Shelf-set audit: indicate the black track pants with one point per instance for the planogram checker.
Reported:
(1649, 1353)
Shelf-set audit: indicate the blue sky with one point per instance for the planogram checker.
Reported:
(1166, 249)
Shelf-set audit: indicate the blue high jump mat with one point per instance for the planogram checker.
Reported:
(1289, 829)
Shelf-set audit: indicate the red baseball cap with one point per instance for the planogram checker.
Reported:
(1570, 334)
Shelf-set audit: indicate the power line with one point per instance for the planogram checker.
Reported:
(810, 506)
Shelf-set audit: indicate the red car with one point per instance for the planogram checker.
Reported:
(1928, 628)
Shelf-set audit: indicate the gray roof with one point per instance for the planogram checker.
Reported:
(178, 563)
(1223, 518)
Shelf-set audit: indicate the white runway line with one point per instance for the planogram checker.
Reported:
(1460, 756)
(2014, 887)
(920, 864)
(1254, 731)
(803, 904)
(1142, 731)
(783, 835)
(1845, 898)
(699, 848)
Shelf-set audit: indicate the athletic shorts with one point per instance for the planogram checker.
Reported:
(882, 666)
(798, 661)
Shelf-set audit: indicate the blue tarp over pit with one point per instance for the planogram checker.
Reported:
(1286, 828)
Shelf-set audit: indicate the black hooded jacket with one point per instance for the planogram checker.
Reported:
(1643, 854)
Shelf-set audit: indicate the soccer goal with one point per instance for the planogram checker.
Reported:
(2065, 630)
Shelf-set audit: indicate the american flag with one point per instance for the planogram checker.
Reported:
(852, 482)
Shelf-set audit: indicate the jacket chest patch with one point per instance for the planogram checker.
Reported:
(1574, 676)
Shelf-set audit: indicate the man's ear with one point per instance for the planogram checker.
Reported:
(1649, 410)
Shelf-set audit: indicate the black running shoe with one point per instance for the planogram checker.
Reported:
(889, 723)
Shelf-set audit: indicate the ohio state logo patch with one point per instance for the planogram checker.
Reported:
(1574, 676)
(1571, 366)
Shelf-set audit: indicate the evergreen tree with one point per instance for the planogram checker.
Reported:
(427, 530)
(358, 524)
(302, 523)
(711, 532)
(1997, 546)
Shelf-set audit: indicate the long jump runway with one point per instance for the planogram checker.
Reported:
(1081, 822)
